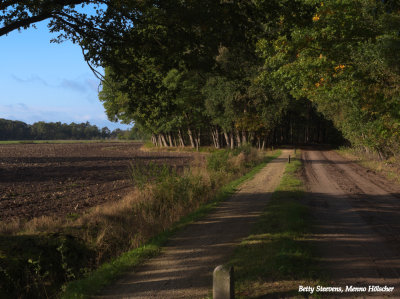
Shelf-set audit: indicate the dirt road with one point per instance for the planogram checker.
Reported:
(184, 269)
(357, 213)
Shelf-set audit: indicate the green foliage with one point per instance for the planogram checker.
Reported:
(218, 161)
(37, 266)
(339, 59)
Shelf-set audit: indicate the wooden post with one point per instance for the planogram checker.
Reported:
(223, 283)
(289, 159)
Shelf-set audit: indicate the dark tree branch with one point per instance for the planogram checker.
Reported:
(24, 23)
(47, 10)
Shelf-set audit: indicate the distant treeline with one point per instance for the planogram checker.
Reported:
(18, 130)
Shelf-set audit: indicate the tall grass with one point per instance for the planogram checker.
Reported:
(163, 196)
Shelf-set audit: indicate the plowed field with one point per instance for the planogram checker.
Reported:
(59, 179)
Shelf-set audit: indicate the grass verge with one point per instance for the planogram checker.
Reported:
(110, 271)
(276, 258)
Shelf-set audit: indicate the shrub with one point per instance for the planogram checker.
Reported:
(143, 174)
(218, 161)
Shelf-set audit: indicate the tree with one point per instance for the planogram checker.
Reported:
(345, 60)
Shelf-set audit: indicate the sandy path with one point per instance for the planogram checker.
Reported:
(184, 269)
(358, 222)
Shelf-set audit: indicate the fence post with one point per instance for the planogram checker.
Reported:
(223, 283)
(288, 159)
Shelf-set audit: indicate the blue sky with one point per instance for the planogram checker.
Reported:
(43, 81)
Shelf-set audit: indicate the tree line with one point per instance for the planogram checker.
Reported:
(232, 72)
(18, 130)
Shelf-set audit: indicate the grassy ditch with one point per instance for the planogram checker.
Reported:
(42, 258)
(276, 258)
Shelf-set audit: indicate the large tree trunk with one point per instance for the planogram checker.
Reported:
(170, 139)
(163, 140)
(160, 143)
(182, 143)
(251, 137)
(239, 143)
(244, 137)
(154, 140)
(214, 138)
(228, 144)
(198, 139)
(217, 138)
(191, 138)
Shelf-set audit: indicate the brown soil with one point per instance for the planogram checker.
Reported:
(357, 217)
(184, 269)
(58, 179)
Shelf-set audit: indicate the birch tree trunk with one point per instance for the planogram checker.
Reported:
(214, 138)
(182, 143)
(198, 139)
(244, 137)
(217, 137)
(170, 139)
(239, 143)
(164, 141)
(160, 143)
(191, 138)
(228, 144)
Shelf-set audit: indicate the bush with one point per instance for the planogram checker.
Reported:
(37, 266)
(143, 174)
(218, 161)
(234, 161)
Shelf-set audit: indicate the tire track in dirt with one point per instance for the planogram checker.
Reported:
(184, 269)
(358, 221)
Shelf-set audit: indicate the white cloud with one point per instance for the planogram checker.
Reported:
(83, 84)
(31, 79)
(74, 85)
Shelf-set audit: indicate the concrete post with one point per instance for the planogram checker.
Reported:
(223, 283)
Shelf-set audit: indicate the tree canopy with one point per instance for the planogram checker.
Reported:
(231, 72)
